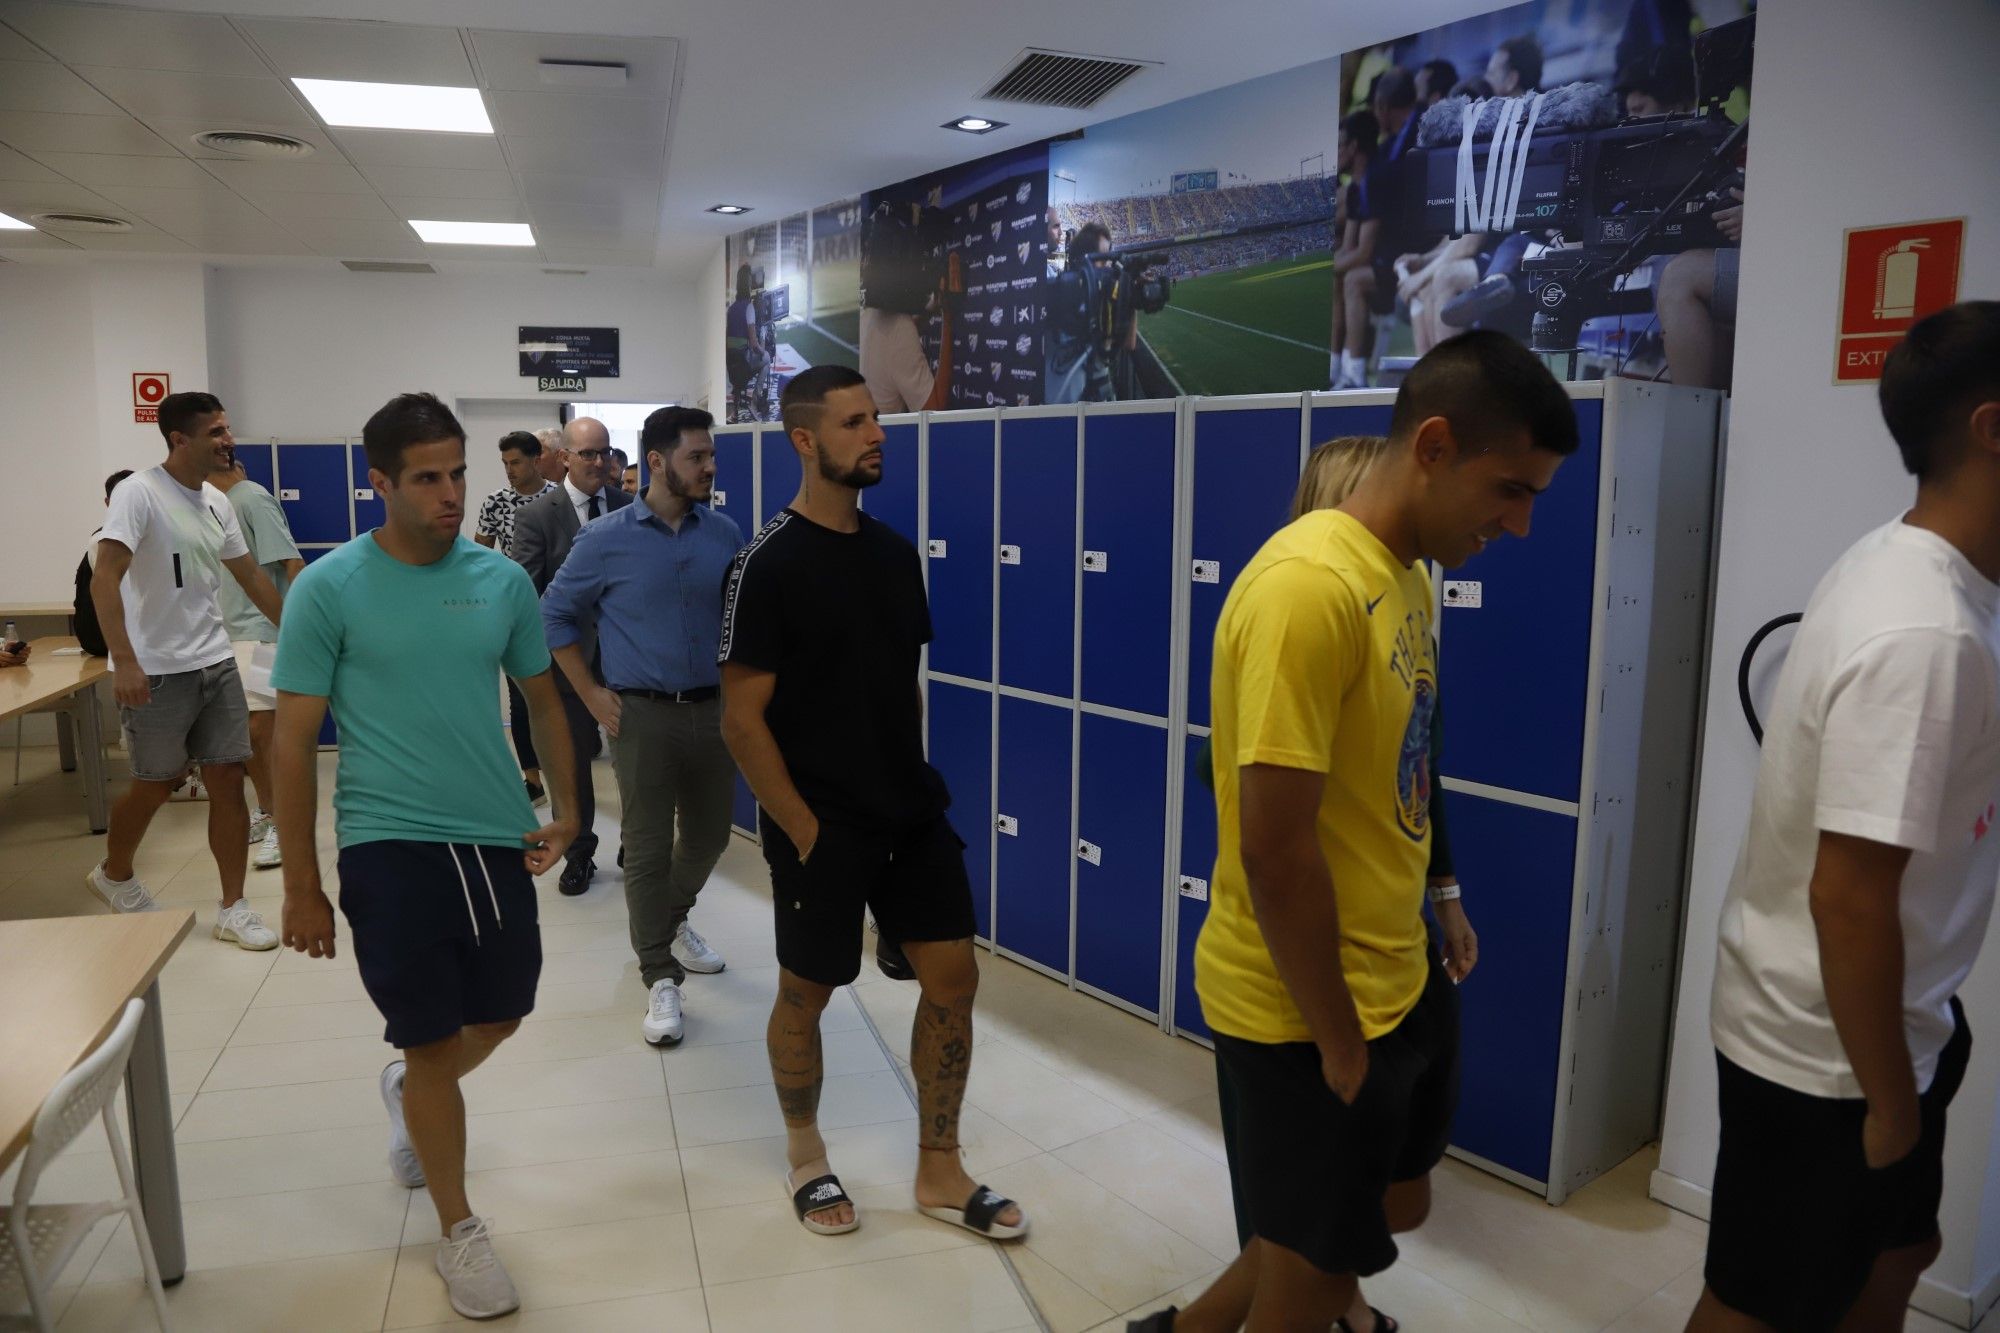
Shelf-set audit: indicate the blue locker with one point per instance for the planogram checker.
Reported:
(778, 470)
(1128, 562)
(1517, 864)
(258, 465)
(1038, 586)
(961, 748)
(1330, 422)
(1031, 899)
(894, 499)
(1198, 839)
(736, 479)
(315, 496)
(370, 510)
(960, 549)
(1522, 728)
(1246, 466)
(1120, 875)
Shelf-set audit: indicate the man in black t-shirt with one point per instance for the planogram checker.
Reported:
(823, 625)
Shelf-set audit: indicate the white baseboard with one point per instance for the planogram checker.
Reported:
(1681, 1195)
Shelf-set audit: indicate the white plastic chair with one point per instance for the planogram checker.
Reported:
(40, 1238)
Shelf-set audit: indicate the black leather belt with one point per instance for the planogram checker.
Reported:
(695, 696)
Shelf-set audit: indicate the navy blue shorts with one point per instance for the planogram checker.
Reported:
(445, 935)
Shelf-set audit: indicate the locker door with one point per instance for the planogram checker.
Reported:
(1197, 871)
(778, 465)
(370, 511)
(258, 464)
(1121, 836)
(1246, 466)
(1031, 902)
(1517, 865)
(1513, 670)
(1128, 560)
(961, 748)
(894, 500)
(1038, 553)
(314, 495)
(736, 479)
(1332, 422)
(960, 550)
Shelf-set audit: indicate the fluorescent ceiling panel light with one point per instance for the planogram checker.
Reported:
(397, 106)
(14, 224)
(475, 233)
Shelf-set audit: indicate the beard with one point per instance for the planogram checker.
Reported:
(856, 478)
(679, 489)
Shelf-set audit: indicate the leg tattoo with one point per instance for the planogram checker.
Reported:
(797, 1067)
(941, 1058)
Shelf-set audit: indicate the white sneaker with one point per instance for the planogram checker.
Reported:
(664, 1025)
(122, 895)
(403, 1163)
(189, 790)
(693, 953)
(260, 826)
(240, 925)
(268, 856)
(479, 1287)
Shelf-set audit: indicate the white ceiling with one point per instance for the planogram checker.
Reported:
(769, 103)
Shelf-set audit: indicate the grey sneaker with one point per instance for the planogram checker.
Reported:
(403, 1163)
(473, 1276)
(693, 952)
(122, 896)
(260, 825)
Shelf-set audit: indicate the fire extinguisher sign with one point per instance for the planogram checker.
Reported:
(1892, 277)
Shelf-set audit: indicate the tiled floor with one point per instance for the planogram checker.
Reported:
(637, 1189)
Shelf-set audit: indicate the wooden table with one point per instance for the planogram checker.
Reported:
(64, 982)
(72, 682)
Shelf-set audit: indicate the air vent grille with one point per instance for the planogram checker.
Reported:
(80, 222)
(383, 266)
(1054, 78)
(251, 143)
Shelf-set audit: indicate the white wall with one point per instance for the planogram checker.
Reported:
(1811, 468)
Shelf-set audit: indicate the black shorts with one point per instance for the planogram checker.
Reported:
(1312, 1170)
(445, 934)
(914, 882)
(1798, 1216)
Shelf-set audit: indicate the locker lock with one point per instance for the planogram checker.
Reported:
(1010, 826)
(936, 548)
(1208, 571)
(1096, 562)
(721, 498)
(364, 493)
(1196, 889)
(1089, 852)
(1010, 555)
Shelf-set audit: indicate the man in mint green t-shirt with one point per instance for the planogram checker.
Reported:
(403, 632)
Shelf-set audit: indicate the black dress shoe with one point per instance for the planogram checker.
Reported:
(576, 876)
(621, 856)
(889, 958)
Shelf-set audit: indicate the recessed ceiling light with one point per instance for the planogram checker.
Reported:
(397, 106)
(975, 125)
(14, 224)
(729, 210)
(475, 233)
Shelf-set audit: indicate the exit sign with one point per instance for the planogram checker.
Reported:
(559, 383)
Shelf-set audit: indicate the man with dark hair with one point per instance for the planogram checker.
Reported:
(544, 531)
(1866, 880)
(1435, 80)
(650, 578)
(1354, 150)
(401, 632)
(521, 455)
(89, 634)
(1515, 67)
(1369, 284)
(1343, 1063)
(824, 623)
(1658, 83)
(166, 545)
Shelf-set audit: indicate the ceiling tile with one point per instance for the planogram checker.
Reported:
(20, 198)
(460, 210)
(278, 243)
(27, 85)
(442, 184)
(373, 238)
(579, 116)
(309, 176)
(365, 52)
(607, 157)
(108, 169)
(32, 240)
(13, 46)
(174, 210)
(40, 131)
(510, 61)
(635, 257)
(287, 207)
(180, 95)
(147, 241)
(180, 133)
(135, 38)
(415, 148)
(593, 238)
(18, 167)
(611, 217)
(603, 191)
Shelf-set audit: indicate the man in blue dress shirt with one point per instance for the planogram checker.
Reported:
(651, 577)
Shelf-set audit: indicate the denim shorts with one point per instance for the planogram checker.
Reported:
(194, 717)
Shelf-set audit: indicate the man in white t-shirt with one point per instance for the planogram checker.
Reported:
(168, 542)
(1865, 882)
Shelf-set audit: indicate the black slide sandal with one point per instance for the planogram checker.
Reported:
(1383, 1323)
(979, 1213)
(816, 1196)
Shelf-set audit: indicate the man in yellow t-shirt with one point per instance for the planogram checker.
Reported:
(1336, 1030)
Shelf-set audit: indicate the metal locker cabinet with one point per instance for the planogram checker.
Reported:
(1038, 550)
(313, 481)
(894, 498)
(1333, 417)
(777, 472)
(1128, 556)
(370, 511)
(959, 543)
(1034, 855)
(1121, 832)
(1197, 870)
(736, 477)
(961, 748)
(259, 463)
(1512, 671)
(1246, 466)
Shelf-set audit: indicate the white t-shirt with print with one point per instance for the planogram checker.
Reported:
(178, 539)
(1885, 726)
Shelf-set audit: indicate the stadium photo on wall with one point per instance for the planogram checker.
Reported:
(793, 301)
(1569, 173)
(1192, 245)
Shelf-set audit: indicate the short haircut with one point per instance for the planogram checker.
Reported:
(1444, 75)
(1363, 129)
(1524, 57)
(1333, 470)
(111, 482)
(1945, 367)
(1083, 241)
(1487, 385)
(522, 440)
(406, 419)
(551, 437)
(1666, 74)
(1474, 87)
(665, 428)
(799, 405)
(179, 412)
(1395, 89)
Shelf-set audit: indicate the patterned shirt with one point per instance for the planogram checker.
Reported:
(496, 515)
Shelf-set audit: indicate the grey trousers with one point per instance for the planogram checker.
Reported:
(672, 767)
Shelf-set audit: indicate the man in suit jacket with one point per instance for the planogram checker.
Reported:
(544, 530)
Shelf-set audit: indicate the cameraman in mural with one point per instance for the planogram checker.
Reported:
(1093, 319)
(1368, 286)
(908, 275)
(745, 357)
